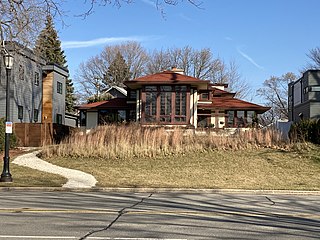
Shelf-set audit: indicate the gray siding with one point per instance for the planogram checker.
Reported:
(22, 92)
(310, 99)
(58, 100)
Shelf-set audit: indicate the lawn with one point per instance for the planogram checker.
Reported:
(27, 177)
(263, 168)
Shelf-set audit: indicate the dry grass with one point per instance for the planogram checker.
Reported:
(263, 168)
(125, 142)
(121, 156)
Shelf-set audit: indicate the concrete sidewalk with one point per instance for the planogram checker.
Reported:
(76, 178)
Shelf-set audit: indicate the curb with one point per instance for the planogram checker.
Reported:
(160, 190)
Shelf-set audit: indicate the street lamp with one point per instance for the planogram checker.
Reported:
(6, 176)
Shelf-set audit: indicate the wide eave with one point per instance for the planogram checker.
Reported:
(167, 78)
(233, 104)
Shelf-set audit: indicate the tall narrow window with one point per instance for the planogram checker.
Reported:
(36, 78)
(240, 119)
(165, 103)
(180, 104)
(230, 118)
(21, 72)
(59, 87)
(20, 112)
(59, 118)
(35, 115)
(151, 103)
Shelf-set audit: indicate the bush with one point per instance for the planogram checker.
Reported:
(13, 138)
(305, 130)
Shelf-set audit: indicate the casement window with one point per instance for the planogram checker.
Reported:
(238, 119)
(204, 96)
(35, 115)
(165, 104)
(59, 87)
(180, 104)
(83, 118)
(21, 72)
(151, 103)
(59, 118)
(36, 78)
(251, 116)
(20, 112)
(133, 94)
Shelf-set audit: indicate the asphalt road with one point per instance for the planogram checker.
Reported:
(171, 215)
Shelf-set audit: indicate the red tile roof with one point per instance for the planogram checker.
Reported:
(233, 104)
(114, 103)
(166, 77)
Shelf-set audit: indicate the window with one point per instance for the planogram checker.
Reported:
(251, 117)
(180, 104)
(83, 118)
(20, 112)
(204, 96)
(315, 88)
(59, 87)
(36, 78)
(230, 118)
(240, 119)
(21, 72)
(165, 104)
(35, 115)
(59, 118)
(151, 106)
(133, 94)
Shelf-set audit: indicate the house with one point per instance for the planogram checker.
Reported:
(37, 89)
(170, 98)
(304, 97)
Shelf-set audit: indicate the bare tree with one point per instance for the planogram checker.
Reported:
(21, 21)
(314, 56)
(160, 4)
(92, 73)
(275, 92)
(200, 64)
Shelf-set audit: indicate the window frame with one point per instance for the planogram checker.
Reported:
(59, 87)
(154, 95)
(36, 78)
(20, 112)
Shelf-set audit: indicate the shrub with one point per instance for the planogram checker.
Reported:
(13, 138)
(305, 130)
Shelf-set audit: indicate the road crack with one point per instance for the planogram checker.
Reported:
(120, 214)
(273, 203)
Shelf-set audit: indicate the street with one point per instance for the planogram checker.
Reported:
(164, 215)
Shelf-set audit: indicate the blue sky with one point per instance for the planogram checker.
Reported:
(264, 37)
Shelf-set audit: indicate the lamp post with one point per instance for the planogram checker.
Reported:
(6, 175)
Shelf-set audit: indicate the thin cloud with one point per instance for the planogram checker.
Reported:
(97, 42)
(150, 3)
(249, 59)
(181, 15)
(228, 38)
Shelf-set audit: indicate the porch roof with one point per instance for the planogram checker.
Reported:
(114, 103)
(167, 78)
(233, 104)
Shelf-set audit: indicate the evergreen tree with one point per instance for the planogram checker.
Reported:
(118, 72)
(48, 46)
